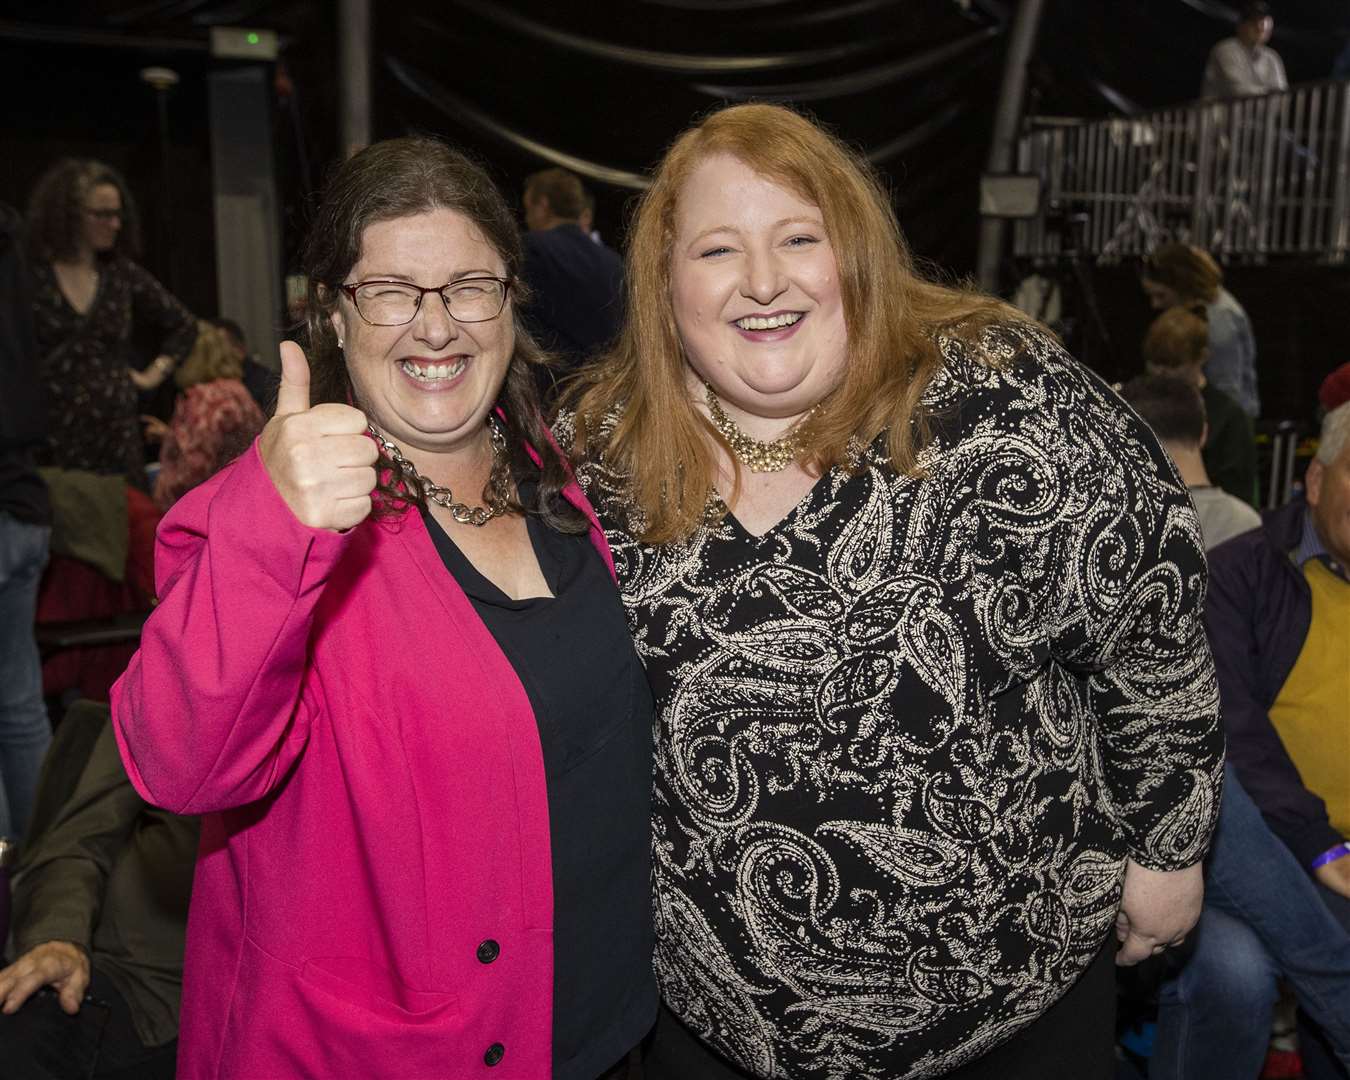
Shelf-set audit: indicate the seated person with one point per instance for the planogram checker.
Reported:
(1173, 408)
(100, 917)
(214, 420)
(1177, 344)
(1263, 917)
(1278, 616)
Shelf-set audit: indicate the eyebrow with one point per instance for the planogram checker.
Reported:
(796, 220)
(459, 275)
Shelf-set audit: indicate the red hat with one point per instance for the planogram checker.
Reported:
(1335, 388)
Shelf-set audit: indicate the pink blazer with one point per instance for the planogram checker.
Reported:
(373, 894)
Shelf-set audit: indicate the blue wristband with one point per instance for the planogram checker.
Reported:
(1330, 855)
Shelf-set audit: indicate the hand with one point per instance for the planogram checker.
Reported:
(1157, 909)
(61, 965)
(151, 377)
(155, 428)
(145, 380)
(1335, 875)
(319, 458)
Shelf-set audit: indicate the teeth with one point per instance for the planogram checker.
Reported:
(433, 371)
(775, 322)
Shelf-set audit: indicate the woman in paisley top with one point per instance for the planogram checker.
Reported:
(88, 297)
(920, 601)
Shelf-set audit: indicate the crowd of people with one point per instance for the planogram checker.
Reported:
(746, 658)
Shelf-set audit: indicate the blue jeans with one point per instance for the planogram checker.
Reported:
(1263, 917)
(24, 730)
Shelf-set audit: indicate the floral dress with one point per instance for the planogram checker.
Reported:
(83, 360)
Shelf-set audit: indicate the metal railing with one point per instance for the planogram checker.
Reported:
(1246, 178)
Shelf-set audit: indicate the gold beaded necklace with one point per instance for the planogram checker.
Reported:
(757, 456)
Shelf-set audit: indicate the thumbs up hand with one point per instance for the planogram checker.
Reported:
(319, 458)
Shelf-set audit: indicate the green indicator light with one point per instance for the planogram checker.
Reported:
(252, 38)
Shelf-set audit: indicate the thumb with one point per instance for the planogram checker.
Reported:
(293, 393)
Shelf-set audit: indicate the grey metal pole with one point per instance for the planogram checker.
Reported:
(1011, 94)
(354, 34)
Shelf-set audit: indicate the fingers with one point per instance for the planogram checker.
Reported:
(348, 513)
(293, 394)
(334, 419)
(1133, 949)
(53, 963)
(70, 992)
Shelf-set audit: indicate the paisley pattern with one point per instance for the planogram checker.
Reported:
(906, 739)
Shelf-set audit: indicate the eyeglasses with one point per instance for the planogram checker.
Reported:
(395, 303)
(104, 215)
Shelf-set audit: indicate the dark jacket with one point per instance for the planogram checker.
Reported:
(1258, 614)
(110, 873)
(577, 286)
(23, 413)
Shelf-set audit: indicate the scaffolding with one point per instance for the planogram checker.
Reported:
(1247, 178)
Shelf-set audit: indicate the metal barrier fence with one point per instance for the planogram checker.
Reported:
(1244, 177)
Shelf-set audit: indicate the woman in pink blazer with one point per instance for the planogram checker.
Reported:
(390, 670)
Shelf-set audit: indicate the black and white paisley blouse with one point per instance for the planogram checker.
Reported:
(906, 739)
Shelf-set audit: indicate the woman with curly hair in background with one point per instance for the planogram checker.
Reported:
(89, 296)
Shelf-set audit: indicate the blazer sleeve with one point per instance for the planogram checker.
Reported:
(1294, 814)
(1132, 625)
(210, 712)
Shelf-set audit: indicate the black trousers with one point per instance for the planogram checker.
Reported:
(1074, 1040)
(40, 1042)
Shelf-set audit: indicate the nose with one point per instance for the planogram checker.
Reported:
(433, 324)
(764, 279)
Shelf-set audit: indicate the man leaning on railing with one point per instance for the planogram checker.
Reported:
(1243, 64)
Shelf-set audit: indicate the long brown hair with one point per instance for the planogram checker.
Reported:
(398, 178)
(56, 209)
(892, 313)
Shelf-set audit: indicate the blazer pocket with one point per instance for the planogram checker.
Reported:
(357, 981)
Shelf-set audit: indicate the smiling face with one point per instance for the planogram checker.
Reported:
(428, 385)
(755, 292)
(102, 213)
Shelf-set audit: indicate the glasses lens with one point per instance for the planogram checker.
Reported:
(386, 303)
(475, 300)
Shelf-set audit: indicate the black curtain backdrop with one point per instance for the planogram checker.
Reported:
(603, 86)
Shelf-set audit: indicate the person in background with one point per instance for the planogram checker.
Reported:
(1177, 344)
(1183, 275)
(261, 380)
(1173, 408)
(214, 419)
(920, 600)
(88, 297)
(1262, 918)
(390, 668)
(25, 531)
(1278, 615)
(1244, 65)
(100, 917)
(575, 303)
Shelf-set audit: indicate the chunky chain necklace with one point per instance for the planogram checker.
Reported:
(758, 457)
(499, 481)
